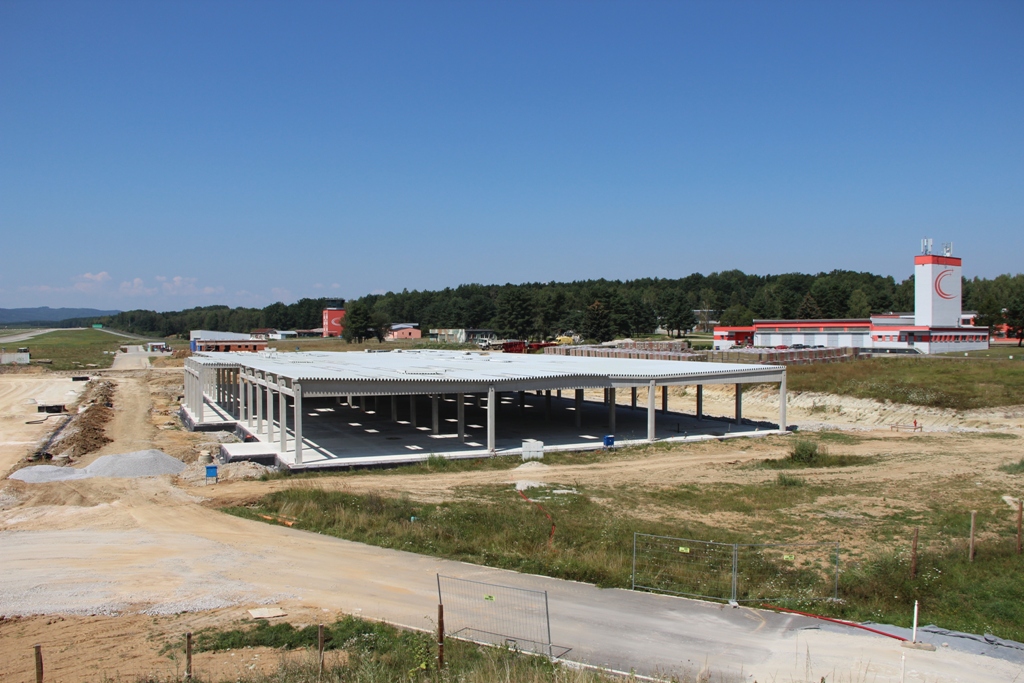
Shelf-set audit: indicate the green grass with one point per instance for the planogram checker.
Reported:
(493, 526)
(935, 382)
(789, 480)
(1013, 467)
(380, 653)
(804, 453)
(984, 596)
(1000, 351)
(75, 349)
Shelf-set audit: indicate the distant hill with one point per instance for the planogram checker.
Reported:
(45, 314)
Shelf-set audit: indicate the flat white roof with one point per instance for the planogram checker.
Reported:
(499, 369)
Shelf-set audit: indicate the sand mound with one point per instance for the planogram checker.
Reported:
(149, 463)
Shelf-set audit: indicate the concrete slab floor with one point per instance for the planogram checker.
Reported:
(341, 435)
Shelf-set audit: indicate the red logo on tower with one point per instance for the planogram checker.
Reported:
(938, 284)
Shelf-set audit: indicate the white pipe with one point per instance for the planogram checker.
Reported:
(915, 622)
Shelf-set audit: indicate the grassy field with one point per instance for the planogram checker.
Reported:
(936, 382)
(594, 526)
(1001, 351)
(75, 349)
(380, 653)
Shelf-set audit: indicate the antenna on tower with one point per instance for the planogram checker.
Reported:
(926, 246)
(947, 248)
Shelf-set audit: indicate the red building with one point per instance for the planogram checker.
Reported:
(334, 322)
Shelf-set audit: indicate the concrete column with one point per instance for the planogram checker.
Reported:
(492, 410)
(632, 398)
(664, 398)
(394, 409)
(297, 419)
(259, 409)
(611, 411)
(739, 403)
(435, 421)
(460, 399)
(559, 393)
(700, 401)
(270, 416)
(283, 418)
(782, 404)
(579, 408)
(522, 400)
(248, 401)
(198, 412)
(651, 395)
(547, 404)
(412, 410)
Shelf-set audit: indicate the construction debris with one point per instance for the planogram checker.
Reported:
(149, 463)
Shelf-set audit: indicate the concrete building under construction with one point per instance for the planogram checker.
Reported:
(320, 409)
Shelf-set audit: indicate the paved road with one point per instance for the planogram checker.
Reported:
(137, 358)
(156, 547)
(23, 336)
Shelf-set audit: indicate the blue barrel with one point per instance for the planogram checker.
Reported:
(211, 471)
(609, 441)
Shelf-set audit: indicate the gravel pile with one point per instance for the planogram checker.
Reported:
(149, 463)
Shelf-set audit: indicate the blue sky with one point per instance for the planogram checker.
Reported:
(171, 154)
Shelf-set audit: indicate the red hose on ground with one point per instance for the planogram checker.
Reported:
(834, 621)
(551, 536)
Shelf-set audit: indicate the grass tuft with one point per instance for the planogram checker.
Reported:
(804, 453)
(784, 479)
(1013, 467)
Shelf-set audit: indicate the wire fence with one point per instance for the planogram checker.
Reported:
(738, 572)
(512, 617)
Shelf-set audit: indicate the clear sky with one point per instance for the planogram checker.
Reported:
(171, 154)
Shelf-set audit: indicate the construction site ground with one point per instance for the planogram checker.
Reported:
(107, 574)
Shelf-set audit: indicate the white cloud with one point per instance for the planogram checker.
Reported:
(136, 287)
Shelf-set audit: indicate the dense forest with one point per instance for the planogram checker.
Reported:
(596, 309)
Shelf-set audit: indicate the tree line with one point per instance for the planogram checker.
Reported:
(599, 309)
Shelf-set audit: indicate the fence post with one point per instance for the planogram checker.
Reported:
(440, 636)
(39, 663)
(835, 590)
(913, 556)
(547, 615)
(735, 566)
(320, 648)
(1020, 519)
(970, 551)
(634, 556)
(188, 655)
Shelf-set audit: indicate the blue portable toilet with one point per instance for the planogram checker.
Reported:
(211, 473)
(609, 441)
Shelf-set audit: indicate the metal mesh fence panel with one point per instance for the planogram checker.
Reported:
(682, 566)
(741, 572)
(492, 613)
